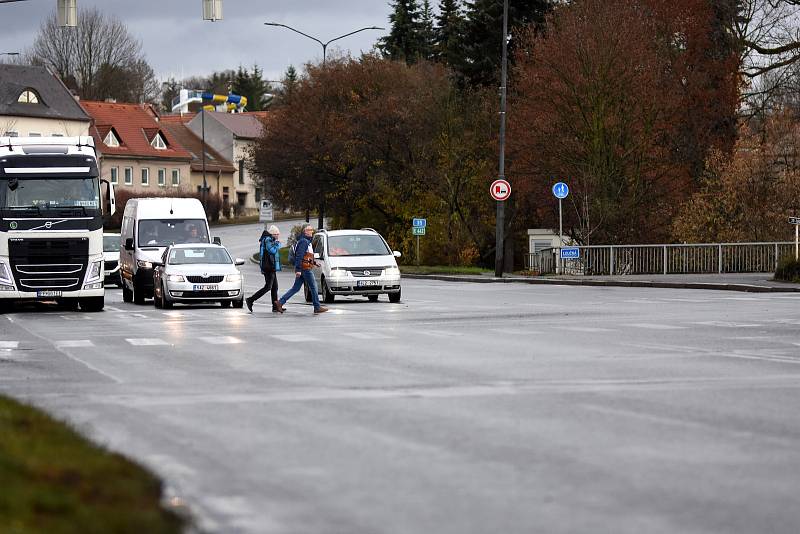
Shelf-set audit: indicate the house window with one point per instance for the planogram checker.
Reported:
(34, 134)
(128, 175)
(176, 177)
(158, 142)
(241, 171)
(115, 175)
(111, 139)
(28, 96)
(145, 176)
(162, 177)
(258, 194)
(11, 134)
(56, 135)
(225, 194)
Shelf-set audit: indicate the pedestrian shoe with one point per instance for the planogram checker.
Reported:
(249, 304)
(321, 309)
(279, 306)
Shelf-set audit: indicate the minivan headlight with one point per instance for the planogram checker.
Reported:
(392, 271)
(337, 273)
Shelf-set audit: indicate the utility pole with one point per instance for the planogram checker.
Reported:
(500, 237)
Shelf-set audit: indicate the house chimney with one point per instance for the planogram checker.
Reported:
(111, 100)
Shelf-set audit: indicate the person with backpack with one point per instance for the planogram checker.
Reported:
(270, 263)
(303, 263)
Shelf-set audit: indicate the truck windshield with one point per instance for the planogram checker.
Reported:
(163, 232)
(50, 193)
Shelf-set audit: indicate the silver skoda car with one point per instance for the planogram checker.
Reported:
(191, 273)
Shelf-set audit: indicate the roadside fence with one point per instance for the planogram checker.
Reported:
(663, 259)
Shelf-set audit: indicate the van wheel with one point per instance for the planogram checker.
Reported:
(92, 304)
(138, 294)
(394, 297)
(127, 294)
(327, 296)
(373, 298)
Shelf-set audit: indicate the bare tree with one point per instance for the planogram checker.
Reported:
(767, 33)
(84, 56)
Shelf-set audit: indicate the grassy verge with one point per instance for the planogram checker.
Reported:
(441, 269)
(53, 480)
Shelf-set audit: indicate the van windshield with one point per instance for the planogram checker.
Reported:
(164, 232)
(357, 245)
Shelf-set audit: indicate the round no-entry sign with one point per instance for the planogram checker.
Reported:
(500, 190)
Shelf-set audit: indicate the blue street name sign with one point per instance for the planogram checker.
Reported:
(419, 223)
(560, 190)
(419, 230)
(570, 253)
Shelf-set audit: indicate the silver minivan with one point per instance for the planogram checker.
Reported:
(355, 262)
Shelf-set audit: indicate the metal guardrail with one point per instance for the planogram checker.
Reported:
(663, 259)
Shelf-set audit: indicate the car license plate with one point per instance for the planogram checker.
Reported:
(204, 287)
(366, 283)
(48, 293)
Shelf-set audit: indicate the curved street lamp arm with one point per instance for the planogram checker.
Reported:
(351, 33)
(296, 31)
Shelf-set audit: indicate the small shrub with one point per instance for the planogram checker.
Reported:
(788, 270)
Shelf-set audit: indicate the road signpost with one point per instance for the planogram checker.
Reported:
(418, 227)
(500, 190)
(570, 253)
(560, 191)
(265, 212)
(796, 222)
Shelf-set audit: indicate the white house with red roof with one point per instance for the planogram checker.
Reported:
(137, 153)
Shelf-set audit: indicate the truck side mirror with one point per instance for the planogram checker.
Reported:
(129, 244)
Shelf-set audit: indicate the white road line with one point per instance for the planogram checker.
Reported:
(72, 343)
(653, 326)
(366, 335)
(727, 324)
(112, 308)
(145, 341)
(294, 338)
(9, 344)
(443, 333)
(222, 340)
(586, 329)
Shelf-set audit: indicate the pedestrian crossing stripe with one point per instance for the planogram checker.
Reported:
(146, 342)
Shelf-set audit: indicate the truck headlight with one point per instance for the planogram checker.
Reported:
(5, 275)
(144, 264)
(93, 272)
(175, 278)
(233, 278)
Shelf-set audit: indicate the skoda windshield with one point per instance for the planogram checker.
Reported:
(40, 194)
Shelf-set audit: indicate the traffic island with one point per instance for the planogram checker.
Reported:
(54, 480)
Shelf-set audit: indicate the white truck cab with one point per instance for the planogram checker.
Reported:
(52, 203)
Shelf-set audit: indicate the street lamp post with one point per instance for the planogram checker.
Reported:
(324, 46)
(499, 254)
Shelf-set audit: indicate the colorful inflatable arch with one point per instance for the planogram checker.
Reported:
(229, 103)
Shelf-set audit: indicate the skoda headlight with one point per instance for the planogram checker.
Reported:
(175, 278)
(144, 264)
(93, 272)
(233, 278)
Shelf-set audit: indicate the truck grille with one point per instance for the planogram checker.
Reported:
(48, 263)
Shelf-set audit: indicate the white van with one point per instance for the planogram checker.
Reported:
(149, 225)
(355, 262)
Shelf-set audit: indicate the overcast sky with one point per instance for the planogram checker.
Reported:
(179, 43)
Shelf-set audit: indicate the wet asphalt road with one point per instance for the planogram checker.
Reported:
(464, 408)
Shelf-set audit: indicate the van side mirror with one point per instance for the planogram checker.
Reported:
(397, 254)
(129, 244)
(217, 241)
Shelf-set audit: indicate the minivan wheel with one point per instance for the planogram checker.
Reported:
(373, 298)
(327, 296)
(127, 294)
(394, 297)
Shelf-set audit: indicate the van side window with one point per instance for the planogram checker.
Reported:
(316, 245)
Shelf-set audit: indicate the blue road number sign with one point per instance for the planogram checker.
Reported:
(560, 190)
(419, 223)
(570, 253)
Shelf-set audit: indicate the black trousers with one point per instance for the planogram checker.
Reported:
(270, 284)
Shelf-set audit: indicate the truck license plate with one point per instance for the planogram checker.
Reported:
(48, 293)
(204, 287)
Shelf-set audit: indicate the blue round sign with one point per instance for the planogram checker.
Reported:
(561, 190)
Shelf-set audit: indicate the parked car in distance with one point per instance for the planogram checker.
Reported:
(196, 273)
(111, 245)
(355, 262)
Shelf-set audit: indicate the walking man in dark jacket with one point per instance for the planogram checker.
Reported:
(270, 263)
(303, 263)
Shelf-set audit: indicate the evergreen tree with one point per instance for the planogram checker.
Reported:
(482, 41)
(448, 32)
(404, 41)
(252, 85)
(427, 32)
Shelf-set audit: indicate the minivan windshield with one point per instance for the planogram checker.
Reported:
(189, 256)
(357, 245)
(164, 232)
(111, 243)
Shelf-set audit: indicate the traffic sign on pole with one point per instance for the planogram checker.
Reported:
(419, 230)
(419, 223)
(500, 190)
(560, 190)
(794, 220)
(570, 253)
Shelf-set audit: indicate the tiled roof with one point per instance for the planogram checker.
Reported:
(56, 101)
(135, 127)
(244, 125)
(176, 118)
(214, 161)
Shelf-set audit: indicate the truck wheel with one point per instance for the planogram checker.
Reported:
(127, 294)
(92, 304)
